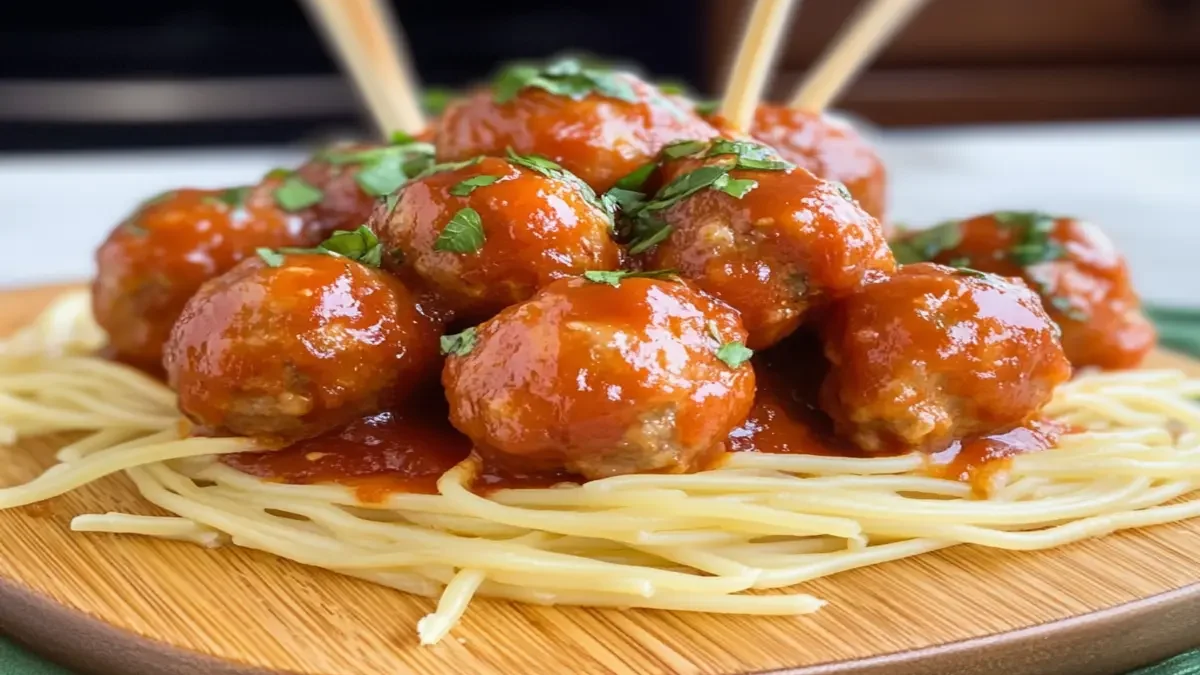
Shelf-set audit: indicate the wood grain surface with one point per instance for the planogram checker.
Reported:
(122, 604)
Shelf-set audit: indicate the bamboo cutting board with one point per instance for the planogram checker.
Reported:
(125, 605)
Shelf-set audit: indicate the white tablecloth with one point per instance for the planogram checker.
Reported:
(1140, 181)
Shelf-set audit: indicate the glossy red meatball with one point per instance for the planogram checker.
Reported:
(353, 178)
(787, 245)
(152, 263)
(489, 234)
(1083, 281)
(934, 354)
(603, 381)
(293, 350)
(599, 137)
(829, 148)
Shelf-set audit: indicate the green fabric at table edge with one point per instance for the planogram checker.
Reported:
(1179, 329)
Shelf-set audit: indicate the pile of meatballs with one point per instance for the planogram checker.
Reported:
(590, 263)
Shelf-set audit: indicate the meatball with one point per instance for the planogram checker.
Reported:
(774, 243)
(155, 260)
(290, 346)
(352, 179)
(1083, 281)
(829, 148)
(934, 354)
(600, 125)
(490, 233)
(634, 375)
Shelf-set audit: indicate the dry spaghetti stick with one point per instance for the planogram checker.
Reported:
(756, 55)
(854, 46)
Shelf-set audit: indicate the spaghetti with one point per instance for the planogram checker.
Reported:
(693, 542)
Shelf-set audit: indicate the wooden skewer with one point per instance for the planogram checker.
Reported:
(756, 55)
(855, 45)
(370, 46)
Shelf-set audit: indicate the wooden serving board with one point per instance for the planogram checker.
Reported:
(122, 604)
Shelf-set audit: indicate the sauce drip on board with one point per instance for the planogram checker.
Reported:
(979, 459)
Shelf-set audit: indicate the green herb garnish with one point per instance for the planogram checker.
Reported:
(235, 197)
(270, 257)
(735, 187)
(734, 354)
(552, 169)
(460, 344)
(707, 108)
(634, 180)
(466, 187)
(683, 148)
(360, 245)
(448, 166)
(564, 77)
(751, 156)
(1034, 244)
(652, 237)
(927, 244)
(842, 190)
(295, 193)
(463, 234)
(613, 277)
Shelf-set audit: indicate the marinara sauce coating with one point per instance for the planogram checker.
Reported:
(491, 233)
(773, 244)
(934, 354)
(293, 350)
(351, 179)
(154, 261)
(600, 133)
(644, 377)
(1083, 281)
(829, 148)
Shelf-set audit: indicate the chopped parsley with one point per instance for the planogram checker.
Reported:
(552, 169)
(647, 229)
(295, 193)
(448, 166)
(734, 354)
(750, 156)
(927, 244)
(463, 234)
(234, 197)
(383, 170)
(683, 148)
(1034, 243)
(460, 344)
(270, 257)
(636, 179)
(842, 190)
(707, 108)
(652, 238)
(391, 201)
(563, 77)
(613, 278)
(466, 187)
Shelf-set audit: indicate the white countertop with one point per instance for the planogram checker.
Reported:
(1139, 181)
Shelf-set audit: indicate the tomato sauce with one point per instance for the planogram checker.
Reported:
(977, 460)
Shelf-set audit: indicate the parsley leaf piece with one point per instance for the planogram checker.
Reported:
(361, 245)
(683, 148)
(235, 197)
(133, 228)
(734, 354)
(460, 344)
(643, 243)
(753, 156)
(736, 187)
(613, 277)
(707, 108)
(625, 200)
(927, 244)
(447, 166)
(382, 177)
(278, 172)
(466, 187)
(391, 201)
(563, 77)
(295, 193)
(463, 234)
(401, 138)
(686, 185)
(1034, 244)
(635, 179)
(270, 257)
(842, 190)
(542, 165)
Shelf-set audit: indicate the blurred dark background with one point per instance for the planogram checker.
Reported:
(228, 72)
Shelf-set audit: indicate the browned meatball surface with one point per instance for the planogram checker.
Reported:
(772, 242)
(644, 376)
(601, 125)
(290, 346)
(1083, 280)
(152, 263)
(490, 233)
(934, 354)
